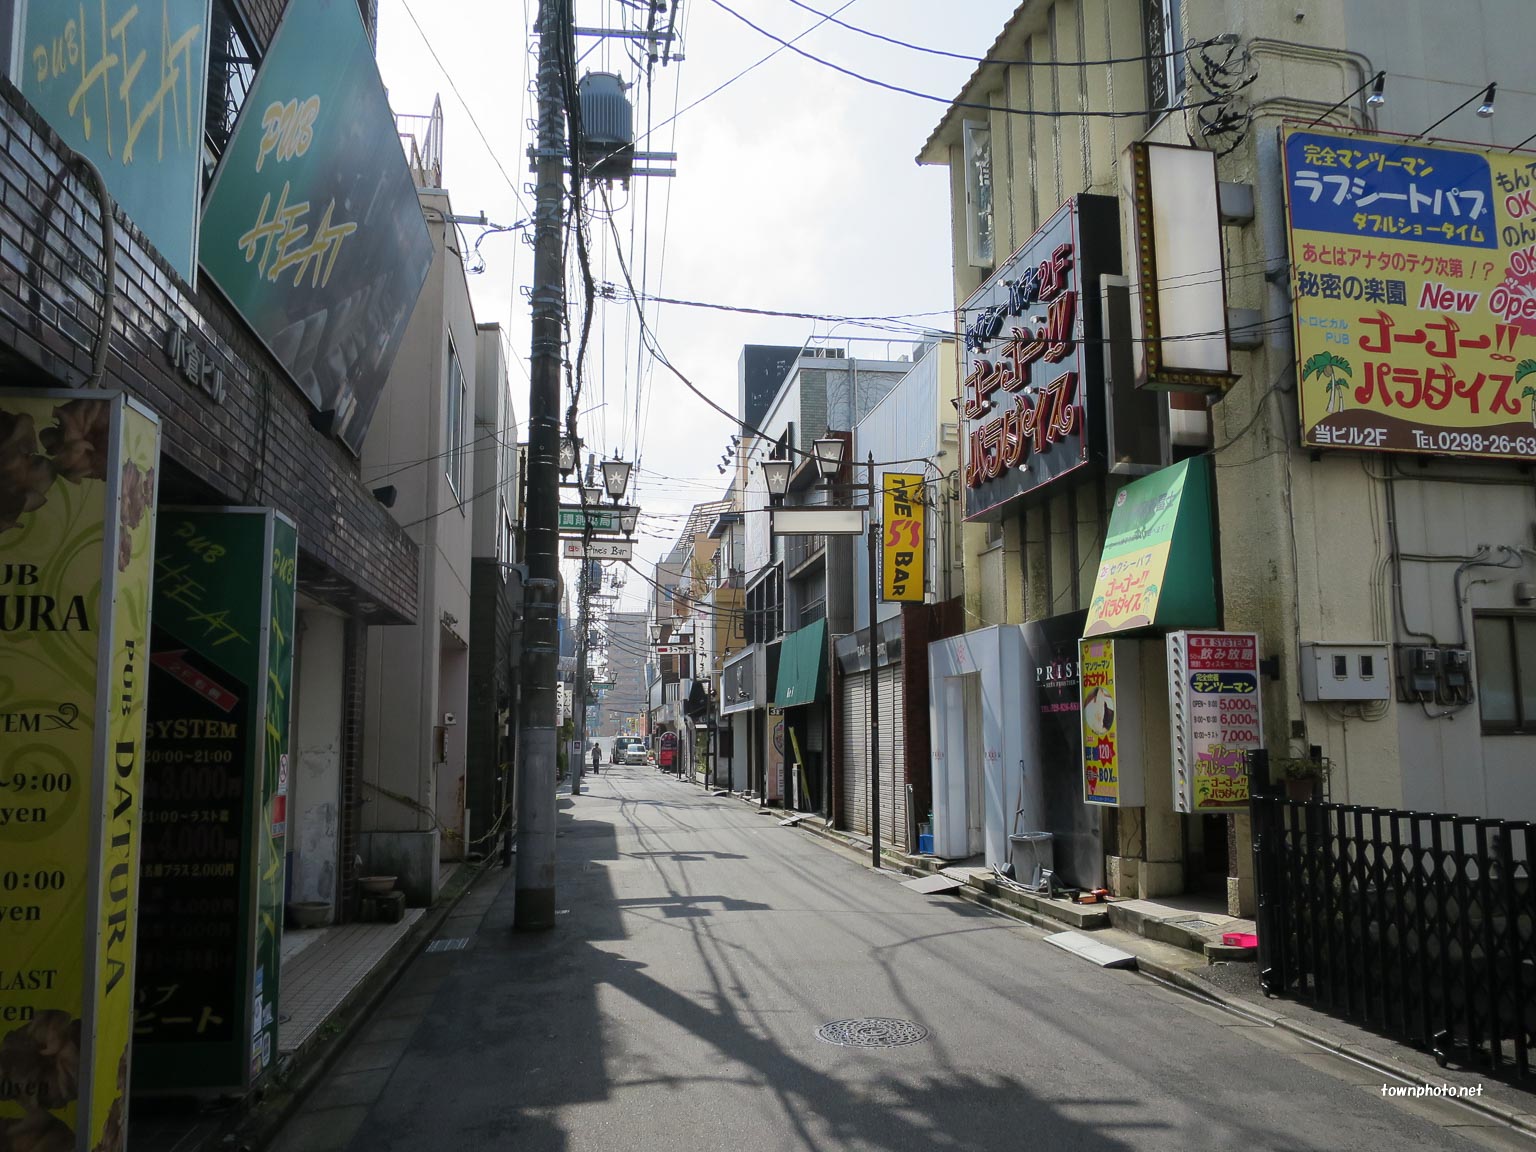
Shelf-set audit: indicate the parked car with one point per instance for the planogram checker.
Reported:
(629, 750)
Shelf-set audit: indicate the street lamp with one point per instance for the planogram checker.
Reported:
(776, 476)
(591, 495)
(629, 515)
(616, 478)
(570, 447)
(656, 633)
(829, 456)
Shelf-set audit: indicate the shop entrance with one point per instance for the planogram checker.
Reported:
(1207, 859)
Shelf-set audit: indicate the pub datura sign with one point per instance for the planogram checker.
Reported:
(313, 228)
(1415, 294)
(1034, 358)
(77, 538)
(124, 83)
(215, 800)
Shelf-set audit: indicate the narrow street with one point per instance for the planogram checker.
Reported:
(701, 947)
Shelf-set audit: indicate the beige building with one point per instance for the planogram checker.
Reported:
(1416, 563)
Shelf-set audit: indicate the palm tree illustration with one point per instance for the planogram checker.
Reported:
(1522, 370)
(1331, 370)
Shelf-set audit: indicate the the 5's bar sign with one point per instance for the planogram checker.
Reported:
(1034, 359)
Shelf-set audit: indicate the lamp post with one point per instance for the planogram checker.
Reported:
(615, 479)
(829, 453)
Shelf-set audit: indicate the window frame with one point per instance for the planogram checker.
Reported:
(1524, 723)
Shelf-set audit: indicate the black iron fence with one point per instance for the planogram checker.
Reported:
(1417, 924)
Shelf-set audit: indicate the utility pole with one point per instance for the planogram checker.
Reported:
(535, 883)
(584, 623)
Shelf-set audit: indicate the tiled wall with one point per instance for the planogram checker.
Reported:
(255, 445)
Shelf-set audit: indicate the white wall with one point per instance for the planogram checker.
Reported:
(1008, 720)
(316, 780)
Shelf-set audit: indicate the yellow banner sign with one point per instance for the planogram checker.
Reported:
(904, 544)
(1415, 294)
(1101, 756)
(77, 509)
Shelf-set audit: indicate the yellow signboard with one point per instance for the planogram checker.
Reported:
(77, 508)
(1098, 713)
(1415, 294)
(904, 543)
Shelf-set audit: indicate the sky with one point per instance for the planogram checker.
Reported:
(796, 190)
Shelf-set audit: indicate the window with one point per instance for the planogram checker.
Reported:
(1506, 671)
(1165, 57)
(231, 71)
(977, 143)
(458, 396)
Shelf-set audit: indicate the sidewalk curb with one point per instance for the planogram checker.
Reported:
(259, 1121)
(1522, 1122)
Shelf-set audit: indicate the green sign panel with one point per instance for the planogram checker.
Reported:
(576, 519)
(313, 228)
(125, 83)
(1158, 564)
(215, 808)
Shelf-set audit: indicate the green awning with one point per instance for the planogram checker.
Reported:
(1158, 569)
(802, 667)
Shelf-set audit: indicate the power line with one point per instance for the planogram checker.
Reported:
(1049, 114)
(1144, 57)
(467, 110)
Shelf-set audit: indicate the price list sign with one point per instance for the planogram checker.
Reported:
(77, 537)
(1217, 717)
(214, 800)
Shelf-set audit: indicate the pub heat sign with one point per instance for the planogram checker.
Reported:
(1033, 381)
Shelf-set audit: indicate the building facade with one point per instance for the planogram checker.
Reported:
(1400, 680)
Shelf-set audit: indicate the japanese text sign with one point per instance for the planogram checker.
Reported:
(904, 538)
(1158, 564)
(313, 228)
(215, 799)
(1217, 717)
(77, 539)
(1033, 357)
(1101, 760)
(124, 84)
(1415, 294)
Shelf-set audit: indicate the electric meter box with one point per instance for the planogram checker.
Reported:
(1346, 672)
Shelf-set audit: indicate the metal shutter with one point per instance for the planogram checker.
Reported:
(855, 740)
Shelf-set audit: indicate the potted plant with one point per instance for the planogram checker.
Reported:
(1302, 774)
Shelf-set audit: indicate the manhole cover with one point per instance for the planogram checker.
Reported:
(872, 1032)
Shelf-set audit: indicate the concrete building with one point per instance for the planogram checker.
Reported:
(496, 591)
(798, 589)
(1401, 580)
(624, 704)
(417, 701)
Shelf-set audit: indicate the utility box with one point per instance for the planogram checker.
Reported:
(1346, 672)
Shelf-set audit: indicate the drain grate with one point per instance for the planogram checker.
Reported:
(454, 944)
(872, 1032)
(1192, 924)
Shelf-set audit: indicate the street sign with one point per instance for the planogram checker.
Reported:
(574, 518)
(597, 550)
(674, 650)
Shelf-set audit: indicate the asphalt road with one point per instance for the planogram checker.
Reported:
(700, 947)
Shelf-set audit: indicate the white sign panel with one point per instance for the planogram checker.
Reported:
(598, 550)
(1216, 717)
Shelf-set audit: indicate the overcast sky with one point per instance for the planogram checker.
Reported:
(796, 190)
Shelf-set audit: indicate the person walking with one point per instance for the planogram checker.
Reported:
(597, 758)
